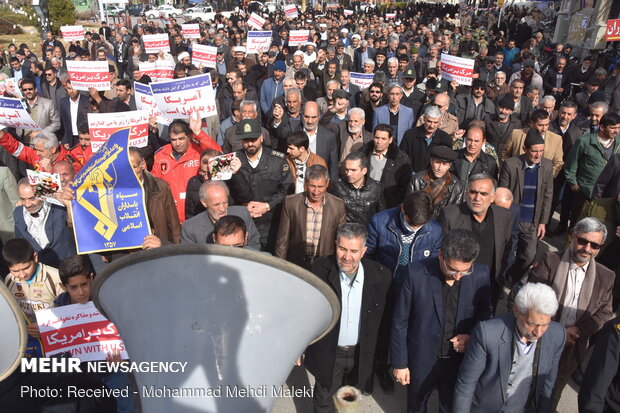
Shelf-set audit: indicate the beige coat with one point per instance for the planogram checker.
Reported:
(553, 148)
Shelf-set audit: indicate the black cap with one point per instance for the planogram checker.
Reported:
(441, 87)
(506, 102)
(248, 129)
(532, 138)
(528, 63)
(489, 59)
(409, 73)
(594, 81)
(340, 94)
(443, 153)
(382, 52)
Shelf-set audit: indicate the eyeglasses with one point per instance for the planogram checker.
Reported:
(49, 74)
(26, 89)
(583, 242)
(453, 273)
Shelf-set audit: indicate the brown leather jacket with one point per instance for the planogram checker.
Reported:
(161, 209)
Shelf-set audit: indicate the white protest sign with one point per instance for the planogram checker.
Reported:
(164, 69)
(86, 74)
(204, 55)
(102, 125)
(298, 37)
(389, 16)
(256, 21)
(14, 115)
(79, 329)
(145, 101)
(149, 69)
(72, 33)
(191, 31)
(290, 10)
(362, 80)
(348, 12)
(456, 68)
(179, 98)
(258, 41)
(153, 43)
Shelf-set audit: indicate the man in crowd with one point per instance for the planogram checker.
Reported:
(471, 160)
(73, 110)
(300, 158)
(308, 220)
(400, 117)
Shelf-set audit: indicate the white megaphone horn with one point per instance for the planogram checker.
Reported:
(238, 318)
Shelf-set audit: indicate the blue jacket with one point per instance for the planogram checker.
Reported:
(384, 232)
(417, 323)
(406, 119)
(268, 92)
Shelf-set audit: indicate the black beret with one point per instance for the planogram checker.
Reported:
(443, 153)
(532, 138)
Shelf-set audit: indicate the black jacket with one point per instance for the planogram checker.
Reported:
(414, 145)
(321, 356)
(493, 136)
(454, 191)
(485, 163)
(362, 203)
(396, 173)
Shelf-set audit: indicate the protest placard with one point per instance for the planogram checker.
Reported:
(72, 33)
(103, 125)
(145, 101)
(14, 115)
(149, 69)
(153, 43)
(204, 55)
(256, 21)
(298, 37)
(164, 69)
(9, 86)
(290, 11)
(45, 185)
(457, 69)
(109, 209)
(613, 30)
(191, 31)
(363, 80)
(389, 16)
(179, 98)
(79, 329)
(86, 74)
(258, 41)
(348, 12)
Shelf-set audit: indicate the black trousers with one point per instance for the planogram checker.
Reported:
(443, 377)
(345, 367)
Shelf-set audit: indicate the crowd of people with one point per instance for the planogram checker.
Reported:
(420, 201)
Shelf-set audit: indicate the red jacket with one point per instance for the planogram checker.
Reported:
(30, 156)
(81, 155)
(178, 172)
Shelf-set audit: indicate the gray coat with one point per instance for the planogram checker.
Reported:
(198, 229)
(485, 369)
(8, 199)
(47, 117)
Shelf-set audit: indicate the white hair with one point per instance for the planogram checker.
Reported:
(537, 297)
(549, 99)
(48, 138)
(393, 60)
(369, 62)
(432, 112)
(358, 111)
(590, 224)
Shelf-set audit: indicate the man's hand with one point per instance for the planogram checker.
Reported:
(257, 209)
(618, 231)
(540, 231)
(114, 356)
(46, 164)
(33, 330)
(459, 134)
(459, 342)
(151, 241)
(572, 335)
(454, 84)
(94, 93)
(235, 165)
(299, 360)
(195, 124)
(402, 376)
(575, 188)
(278, 113)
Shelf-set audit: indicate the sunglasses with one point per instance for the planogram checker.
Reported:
(583, 242)
(25, 89)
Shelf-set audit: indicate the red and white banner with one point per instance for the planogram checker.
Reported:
(165, 69)
(13, 114)
(191, 31)
(389, 16)
(613, 30)
(298, 37)
(153, 43)
(79, 329)
(256, 21)
(149, 69)
(72, 33)
(290, 11)
(86, 74)
(258, 41)
(102, 125)
(457, 68)
(204, 55)
(348, 12)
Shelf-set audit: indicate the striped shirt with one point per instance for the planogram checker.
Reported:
(313, 228)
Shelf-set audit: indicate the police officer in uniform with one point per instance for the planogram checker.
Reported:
(600, 389)
(268, 178)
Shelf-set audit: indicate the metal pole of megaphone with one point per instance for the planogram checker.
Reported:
(347, 399)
